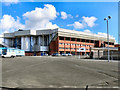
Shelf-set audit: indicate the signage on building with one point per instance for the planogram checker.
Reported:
(81, 50)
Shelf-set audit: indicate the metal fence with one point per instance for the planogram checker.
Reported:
(114, 55)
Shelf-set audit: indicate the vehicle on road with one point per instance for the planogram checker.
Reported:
(11, 52)
(45, 54)
(69, 54)
(64, 54)
(55, 54)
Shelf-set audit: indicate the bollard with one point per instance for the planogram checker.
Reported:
(86, 87)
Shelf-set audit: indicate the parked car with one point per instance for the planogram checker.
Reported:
(45, 54)
(64, 54)
(55, 54)
(69, 54)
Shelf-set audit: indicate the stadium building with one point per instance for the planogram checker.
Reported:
(37, 42)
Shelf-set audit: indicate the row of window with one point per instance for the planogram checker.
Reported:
(75, 44)
(73, 39)
(71, 48)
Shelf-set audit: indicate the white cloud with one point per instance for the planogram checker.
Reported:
(9, 2)
(50, 25)
(89, 20)
(8, 23)
(40, 17)
(64, 15)
(77, 25)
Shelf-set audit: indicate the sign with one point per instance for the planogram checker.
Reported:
(81, 50)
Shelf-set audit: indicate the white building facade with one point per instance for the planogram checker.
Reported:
(38, 41)
(30, 40)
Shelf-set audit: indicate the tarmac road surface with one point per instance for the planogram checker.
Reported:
(58, 72)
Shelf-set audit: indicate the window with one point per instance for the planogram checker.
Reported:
(83, 40)
(61, 48)
(4, 51)
(67, 38)
(61, 43)
(67, 48)
(83, 45)
(92, 41)
(72, 39)
(78, 40)
(67, 44)
(73, 44)
(87, 41)
(61, 38)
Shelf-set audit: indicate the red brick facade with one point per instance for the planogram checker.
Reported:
(118, 45)
(71, 46)
(32, 54)
(53, 47)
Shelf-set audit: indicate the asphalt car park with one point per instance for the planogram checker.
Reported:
(58, 72)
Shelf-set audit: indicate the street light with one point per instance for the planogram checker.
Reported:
(109, 17)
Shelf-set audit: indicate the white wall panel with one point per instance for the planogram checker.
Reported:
(23, 43)
(27, 45)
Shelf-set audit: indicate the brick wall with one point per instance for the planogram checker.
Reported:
(32, 54)
(118, 45)
(53, 47)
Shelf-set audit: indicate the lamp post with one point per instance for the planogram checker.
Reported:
(109, 17)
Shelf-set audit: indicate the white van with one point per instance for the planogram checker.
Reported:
(6, 52)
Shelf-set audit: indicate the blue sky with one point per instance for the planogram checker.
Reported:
(80, 16)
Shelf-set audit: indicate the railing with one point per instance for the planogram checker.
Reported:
(104, 55)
